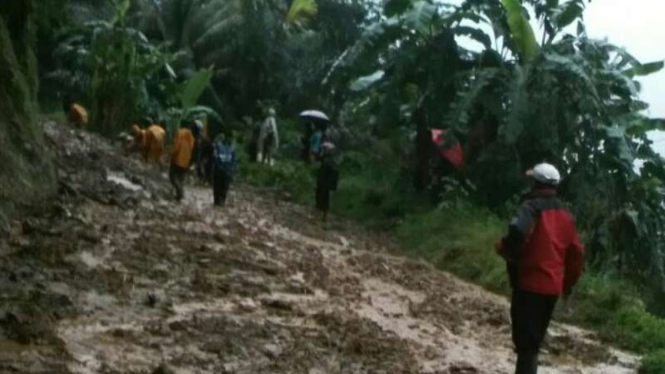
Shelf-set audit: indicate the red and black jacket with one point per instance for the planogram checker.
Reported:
(542, 248)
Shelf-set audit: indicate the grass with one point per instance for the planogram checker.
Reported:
(654, 363)
(458, 236)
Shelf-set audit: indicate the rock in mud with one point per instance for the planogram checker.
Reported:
(278, 304)
(272, 350)
(151, 300)
(462, 369)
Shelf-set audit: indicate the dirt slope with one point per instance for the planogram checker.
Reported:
(116, 279)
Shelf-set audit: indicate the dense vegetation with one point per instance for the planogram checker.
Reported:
(511, 94)
(25, 174)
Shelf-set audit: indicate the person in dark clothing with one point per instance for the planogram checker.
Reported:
(224, 167)
(204, 167)
(326, 180)
(253, 145)
(305, 142)
(544, 259)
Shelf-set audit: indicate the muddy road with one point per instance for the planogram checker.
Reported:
(116, 278)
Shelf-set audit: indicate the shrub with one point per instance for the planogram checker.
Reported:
(653, 363)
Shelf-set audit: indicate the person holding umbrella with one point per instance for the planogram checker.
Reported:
(314, 136)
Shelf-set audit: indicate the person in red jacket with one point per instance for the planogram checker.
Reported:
(544, 260)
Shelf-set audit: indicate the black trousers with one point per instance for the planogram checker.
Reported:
(177, 178)
(322, 198)
(530, 314)
(221, 184)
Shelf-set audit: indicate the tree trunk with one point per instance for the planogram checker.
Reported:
(26, 173)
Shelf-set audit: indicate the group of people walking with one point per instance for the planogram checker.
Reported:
(543, 254)
(316, 147)
(214, 161)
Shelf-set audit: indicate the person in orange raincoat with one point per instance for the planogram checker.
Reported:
(150, 141)
(181, 158)
(77, 115)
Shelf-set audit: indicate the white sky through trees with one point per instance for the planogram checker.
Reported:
(639, 27)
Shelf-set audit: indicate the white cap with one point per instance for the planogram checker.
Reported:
(545, 173)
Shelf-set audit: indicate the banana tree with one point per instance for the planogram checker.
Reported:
(572, 101)
(114, 68)
(244, 38)
(408, 64)
(187, 97)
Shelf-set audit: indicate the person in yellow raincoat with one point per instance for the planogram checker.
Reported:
(77, 115)
(150, 142)
(181, 158)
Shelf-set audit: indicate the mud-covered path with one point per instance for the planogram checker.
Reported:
(256, 287)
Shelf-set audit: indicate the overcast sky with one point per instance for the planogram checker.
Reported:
(639, 27)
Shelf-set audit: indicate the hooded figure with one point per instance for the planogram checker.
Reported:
(150, 142)
(224, 166)
(77, 115)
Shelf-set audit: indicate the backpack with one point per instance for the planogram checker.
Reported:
(224, 158)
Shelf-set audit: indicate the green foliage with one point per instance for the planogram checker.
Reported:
(645, 69)
(653, 363)
(567, 13)
(639, 330)
(194, 87)
(459, 238)
(115, 69)
(187, 95)
(523, 38)
(300, 11)
(26, 175)
(421, 16)
(295, 179)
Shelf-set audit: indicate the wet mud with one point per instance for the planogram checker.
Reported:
(114, 277)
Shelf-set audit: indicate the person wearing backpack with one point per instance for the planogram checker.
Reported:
(224, 166)
(327, 179)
